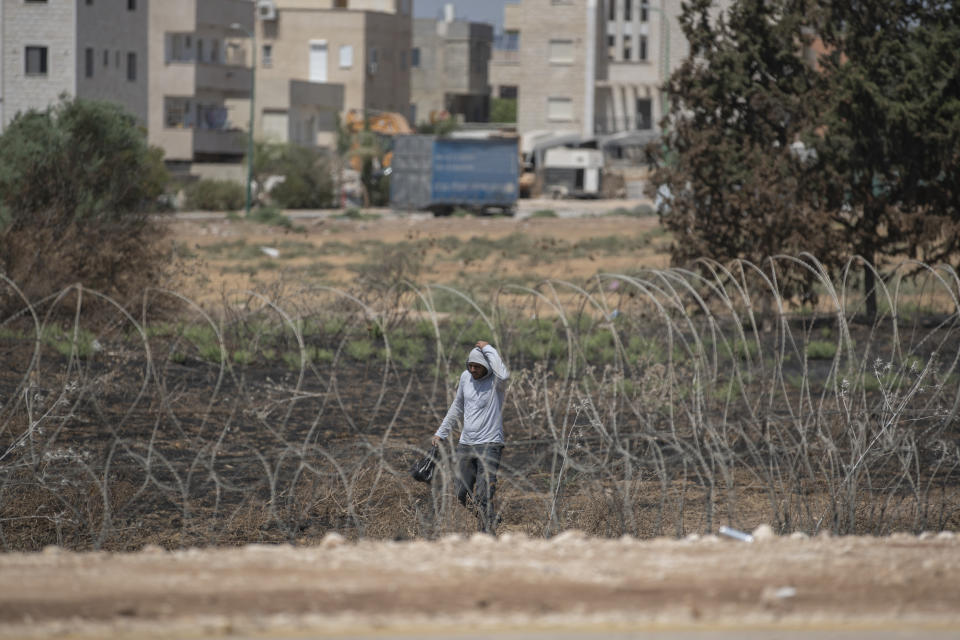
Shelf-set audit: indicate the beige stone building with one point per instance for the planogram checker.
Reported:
(76, 47)
(644, 43)
(591, 67)
(450, 63)
(195, 69)
(168, 62)
(316, 58)
(554, 66)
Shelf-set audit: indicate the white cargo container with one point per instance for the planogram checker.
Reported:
(572, 172)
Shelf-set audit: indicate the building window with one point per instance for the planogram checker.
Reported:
(89, 3)
(511, 40)
(179, 47)
(613, 9)
(627, 10)
(36, 1)
(177, 113)
(199, 50)
(340, 4)
(36, 61)
(106, 58)
(318, 62)
(116, 59)
(215, 51)
(88, 62)
(132, 67)
(644, 11)
(415, 57)
(403, 60)
(561, 51)
(644, 113)
(508, 91)
(642, 47)
(627, 51)
(560, 109)
(346, 56)
(266, 56)
(131, 5)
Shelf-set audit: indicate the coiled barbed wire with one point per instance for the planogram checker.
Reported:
(659, 402)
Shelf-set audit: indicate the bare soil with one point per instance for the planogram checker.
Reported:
(328, 586)
(514, 582)
(363, 240)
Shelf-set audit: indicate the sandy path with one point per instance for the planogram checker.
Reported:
(901, 582)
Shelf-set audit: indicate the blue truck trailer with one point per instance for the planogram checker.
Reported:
(444, 174)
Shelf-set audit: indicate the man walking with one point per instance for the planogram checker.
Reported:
(479, 403)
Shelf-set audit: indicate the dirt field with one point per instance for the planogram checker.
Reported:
(487, 586)
(247, 435)
(575, 240)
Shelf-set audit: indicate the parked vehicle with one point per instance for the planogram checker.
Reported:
(572, 172)
(444, 174)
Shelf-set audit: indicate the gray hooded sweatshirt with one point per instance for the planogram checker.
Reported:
(479, 402)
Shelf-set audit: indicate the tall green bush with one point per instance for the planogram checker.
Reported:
(215, 195)
(307, 181)
(77, 181)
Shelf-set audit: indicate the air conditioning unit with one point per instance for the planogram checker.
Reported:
(266, 9)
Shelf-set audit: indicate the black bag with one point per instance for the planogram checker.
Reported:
(422, 469)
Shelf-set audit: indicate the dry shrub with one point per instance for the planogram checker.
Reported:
(77, 182)
(43, 261)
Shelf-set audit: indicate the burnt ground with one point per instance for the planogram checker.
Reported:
(186, 452)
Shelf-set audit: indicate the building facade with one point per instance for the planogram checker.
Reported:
(450, 63)
(194, 71)
(167, 62)
(318, 58)
(644, 44)
(554, 66)
(594, 67)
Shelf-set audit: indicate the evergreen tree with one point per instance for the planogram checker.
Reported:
(733, 168)
(888, 165)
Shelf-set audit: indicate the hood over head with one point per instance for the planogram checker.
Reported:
(476, 356)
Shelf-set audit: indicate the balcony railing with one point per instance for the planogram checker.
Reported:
(221, 142)
(225, 78)
(605, 124)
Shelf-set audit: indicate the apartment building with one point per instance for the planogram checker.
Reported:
(319, 57)
(644, 44)
(195, 69)
(166, 61)
(449, 64)
(554, 64)
(86, 48)
(589, 66)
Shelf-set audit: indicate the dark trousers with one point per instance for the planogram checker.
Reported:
(477, 466)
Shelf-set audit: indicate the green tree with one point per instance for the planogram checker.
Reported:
(889, 152)
(442, 126)
(503, 109)
(77, 182)
(307, 180)
(267, 157)
(731, 175)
